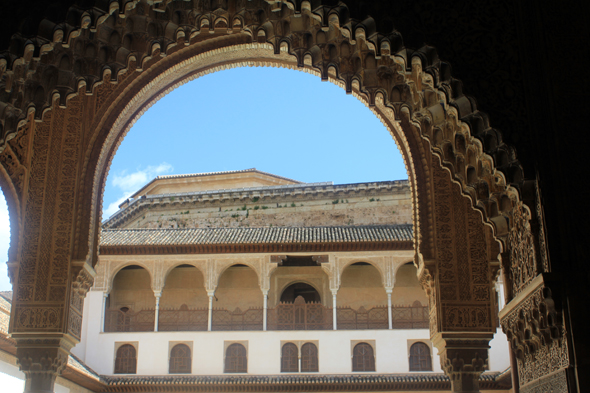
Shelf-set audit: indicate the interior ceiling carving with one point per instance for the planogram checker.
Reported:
(101, 46)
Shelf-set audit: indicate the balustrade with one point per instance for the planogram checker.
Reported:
(127, 320)
(251, 319)
(300, 316)
(183, 319)
(285, 316)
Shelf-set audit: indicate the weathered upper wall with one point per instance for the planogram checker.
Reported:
(308, 205)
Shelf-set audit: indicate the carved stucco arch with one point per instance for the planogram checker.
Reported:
(199, 266)
(117, 267)
(63, 61)
(370, 261)
(285, 286)
(223, 268)
(11, 196)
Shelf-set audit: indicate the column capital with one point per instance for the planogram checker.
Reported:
(463, 357)
(42, 358)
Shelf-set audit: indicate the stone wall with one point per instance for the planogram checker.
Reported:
(389, 209)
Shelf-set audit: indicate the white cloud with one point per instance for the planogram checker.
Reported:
(128, 183)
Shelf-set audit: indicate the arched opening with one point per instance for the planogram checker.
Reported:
(180, 360)
(362, 301)
(309, 358)
(184, 302)
(407, 289)
(126, 360)
(420, 359)
(410, 303)
(306, 291)
(238, 300)
(306, 59)
(363, 357)
(236, 359)
(130, 304)
(289, 358)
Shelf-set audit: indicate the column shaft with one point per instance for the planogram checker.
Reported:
(103, 311)
(210, 315)
(335, 310)
(389, 311)
(157, 313)
(265, 310)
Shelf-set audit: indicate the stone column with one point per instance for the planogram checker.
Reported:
(334, 309)
(158, 295)
(103, 311)
(265, 309)
(463, 357)
(389, 311)
(210, 315)
(42, 363)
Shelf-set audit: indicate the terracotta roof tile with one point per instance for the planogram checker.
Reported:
(273, 235)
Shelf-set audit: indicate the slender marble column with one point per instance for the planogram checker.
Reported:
(210, 316)
(389, 311)
(265, 309)
(158, 295)
(103, 311)
(334, 309)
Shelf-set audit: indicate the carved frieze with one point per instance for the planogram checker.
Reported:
(522, 262)
(535, 330)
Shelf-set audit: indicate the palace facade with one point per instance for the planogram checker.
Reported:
(249, 274)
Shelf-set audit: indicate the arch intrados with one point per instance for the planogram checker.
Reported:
(299, 282)
(402, 265)
(119, 268)
(178, 74)
(371, 263)
(172, 267)
(252, 267)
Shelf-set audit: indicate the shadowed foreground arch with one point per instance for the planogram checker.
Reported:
(73, 93)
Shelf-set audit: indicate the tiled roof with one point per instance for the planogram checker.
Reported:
(268, 235)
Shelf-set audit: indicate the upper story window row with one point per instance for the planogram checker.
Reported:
(295, 357)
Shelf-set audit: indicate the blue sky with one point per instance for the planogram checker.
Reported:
(280, 121)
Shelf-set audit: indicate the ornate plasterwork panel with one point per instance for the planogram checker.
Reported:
(466, 261)
(535, 330)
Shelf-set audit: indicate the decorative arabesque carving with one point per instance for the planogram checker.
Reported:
(522, 268)
(120, 43)
(536, 333)
(41, 361)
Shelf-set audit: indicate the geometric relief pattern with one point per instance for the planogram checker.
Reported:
(289, 358)
(363, 357)
(180, 360)
(537, 336)
(555, 383)
(309, 358)
(236, 359)
(462, 258)
(522, 267)
(420, 357)
(126, 360)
